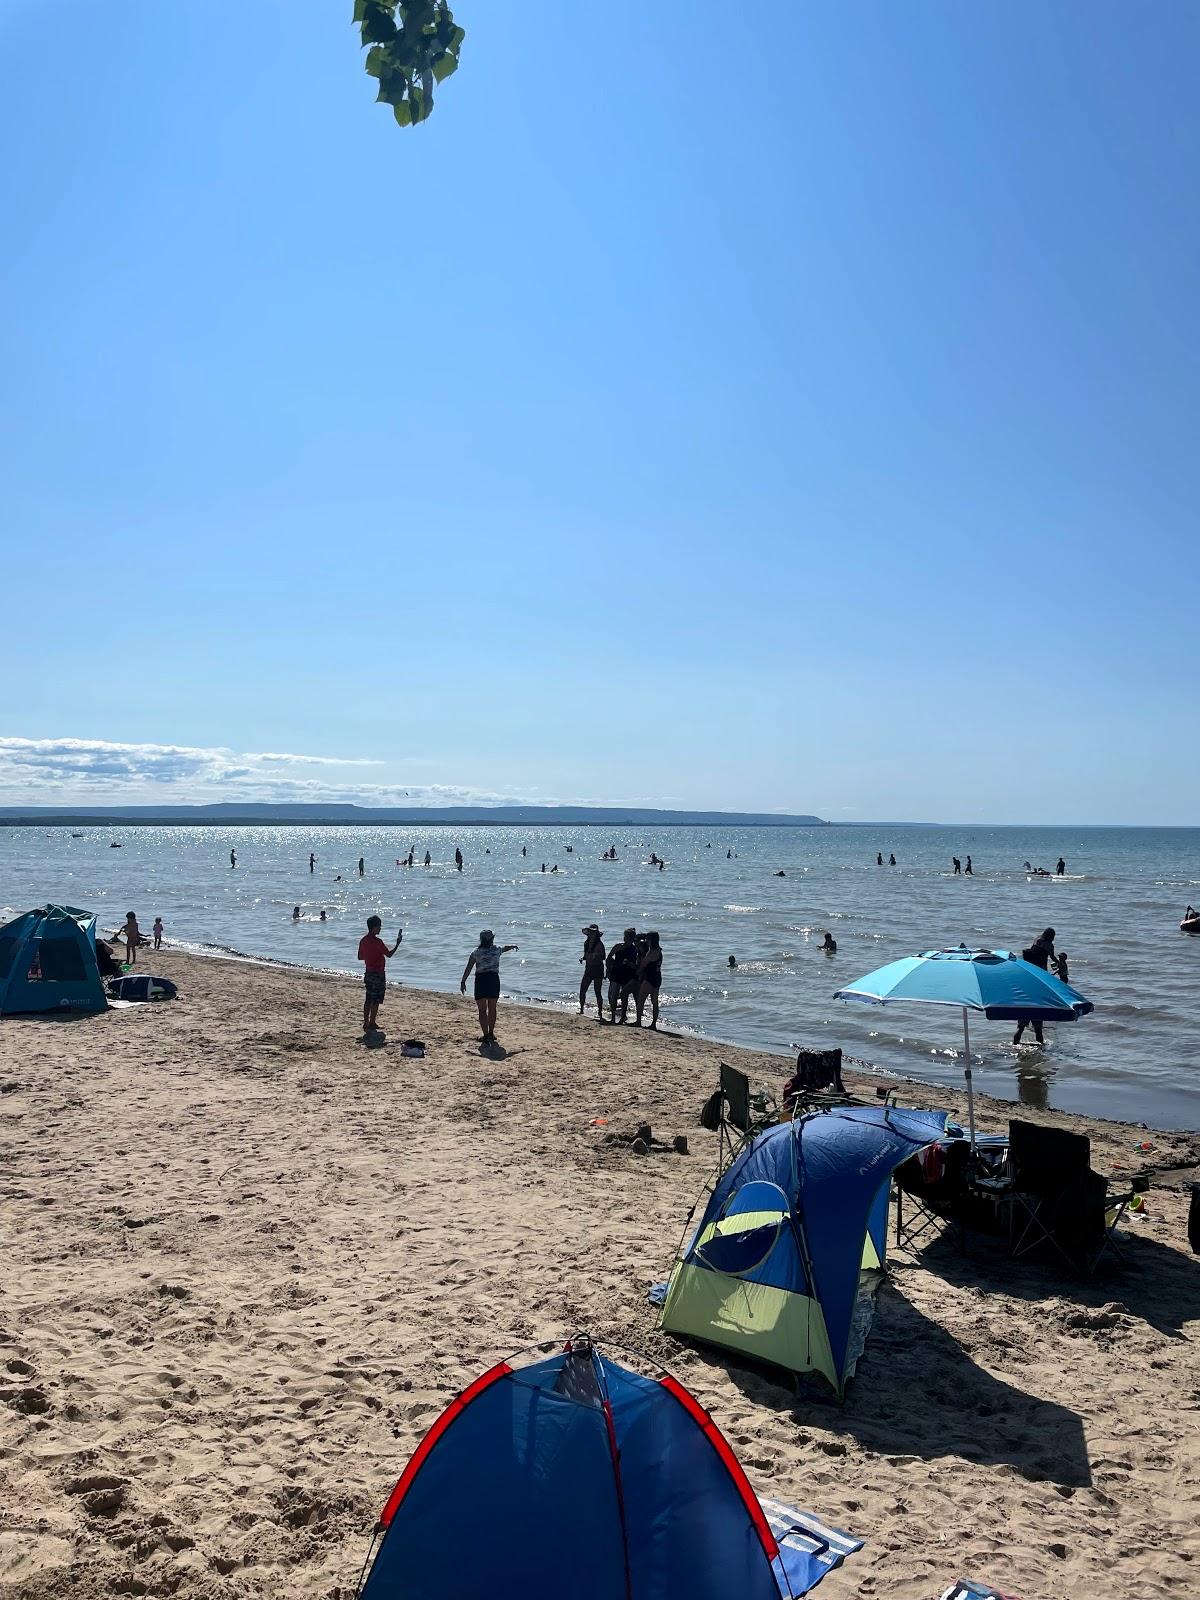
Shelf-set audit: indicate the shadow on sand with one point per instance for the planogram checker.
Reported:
(918, 1394)
(1158, 1285)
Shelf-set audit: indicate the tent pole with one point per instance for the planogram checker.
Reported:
(970, 1085)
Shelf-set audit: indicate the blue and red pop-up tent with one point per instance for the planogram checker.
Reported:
(575, 1476)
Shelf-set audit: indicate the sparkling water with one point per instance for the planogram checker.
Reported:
(1116, 913)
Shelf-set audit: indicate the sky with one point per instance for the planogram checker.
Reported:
(802, 419)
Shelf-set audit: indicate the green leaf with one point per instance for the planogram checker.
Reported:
(403, 113)
(378, 25)
(444, 66)
(360, 9)
(377, 61)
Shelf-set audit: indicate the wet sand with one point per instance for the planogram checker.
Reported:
(247, 1260)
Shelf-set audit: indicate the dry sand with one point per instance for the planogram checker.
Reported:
(246, 1261)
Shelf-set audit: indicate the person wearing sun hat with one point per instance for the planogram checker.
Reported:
(593, 968)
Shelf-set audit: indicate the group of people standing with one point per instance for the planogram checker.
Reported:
(633, 968)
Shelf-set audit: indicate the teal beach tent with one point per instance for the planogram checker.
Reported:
(48, 963)
(780, 1266)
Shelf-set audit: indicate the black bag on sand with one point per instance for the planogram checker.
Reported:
(710, 1117)
(1194, 1220)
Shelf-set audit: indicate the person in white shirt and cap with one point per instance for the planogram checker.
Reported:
(484, 960)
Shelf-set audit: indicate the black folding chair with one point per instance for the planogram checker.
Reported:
(1055, 1200)
(736, 1113)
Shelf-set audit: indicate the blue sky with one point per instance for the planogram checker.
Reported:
(798, 421)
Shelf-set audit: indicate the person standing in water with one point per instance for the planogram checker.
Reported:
(1060, 870)
(879, 858)
(361, 866)
(593, 969)
(891, 861)
(312, 861)
(1039, 954)
(428, 858)
(458, 858)
(969, 869)
(957, 865)
(484, 960)
(157, 931)
(233, 858)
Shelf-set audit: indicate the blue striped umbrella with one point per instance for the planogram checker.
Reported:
(994, 982)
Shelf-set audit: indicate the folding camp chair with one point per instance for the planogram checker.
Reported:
(1054, 1197)
(740, 1114)
(930, 1188)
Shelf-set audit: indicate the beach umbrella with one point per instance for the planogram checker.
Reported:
(994, 982)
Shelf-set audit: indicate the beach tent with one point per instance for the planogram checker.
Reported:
(783, 1262)
(576, 1477)
(48, 962)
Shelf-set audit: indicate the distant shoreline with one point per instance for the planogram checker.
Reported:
(502, 817)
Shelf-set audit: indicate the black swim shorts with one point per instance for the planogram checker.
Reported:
(376, 985)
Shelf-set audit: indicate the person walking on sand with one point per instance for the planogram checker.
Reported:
(157, 931)
(593, 969)
(132, 937)
(649, 979)
(373, 953)
(484, 960)
(458, 858)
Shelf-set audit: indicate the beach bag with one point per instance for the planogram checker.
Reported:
(414, 1048)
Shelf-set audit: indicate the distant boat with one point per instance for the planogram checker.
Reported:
(115, 846)
(77, 836)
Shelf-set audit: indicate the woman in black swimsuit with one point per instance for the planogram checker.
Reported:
(649, 979)
(593, 968)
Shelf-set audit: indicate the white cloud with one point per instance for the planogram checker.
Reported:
(103, 772)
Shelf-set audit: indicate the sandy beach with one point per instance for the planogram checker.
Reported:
(246, 1261)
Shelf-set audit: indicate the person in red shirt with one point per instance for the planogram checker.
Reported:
(374, 954)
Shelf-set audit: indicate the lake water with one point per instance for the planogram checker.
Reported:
(1116, 914)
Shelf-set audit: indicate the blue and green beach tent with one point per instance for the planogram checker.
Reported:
(576, 1477)
(775, 1268)
(48, 962)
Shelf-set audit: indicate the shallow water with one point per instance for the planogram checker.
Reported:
(1116, 913)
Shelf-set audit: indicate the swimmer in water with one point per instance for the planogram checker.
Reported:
(295, 913)
(879, 858)
(830, 945)
(732, 962)
(322, 914)
(969, 869)
(891, 861)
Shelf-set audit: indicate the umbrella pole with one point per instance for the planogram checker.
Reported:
(970, 1085)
